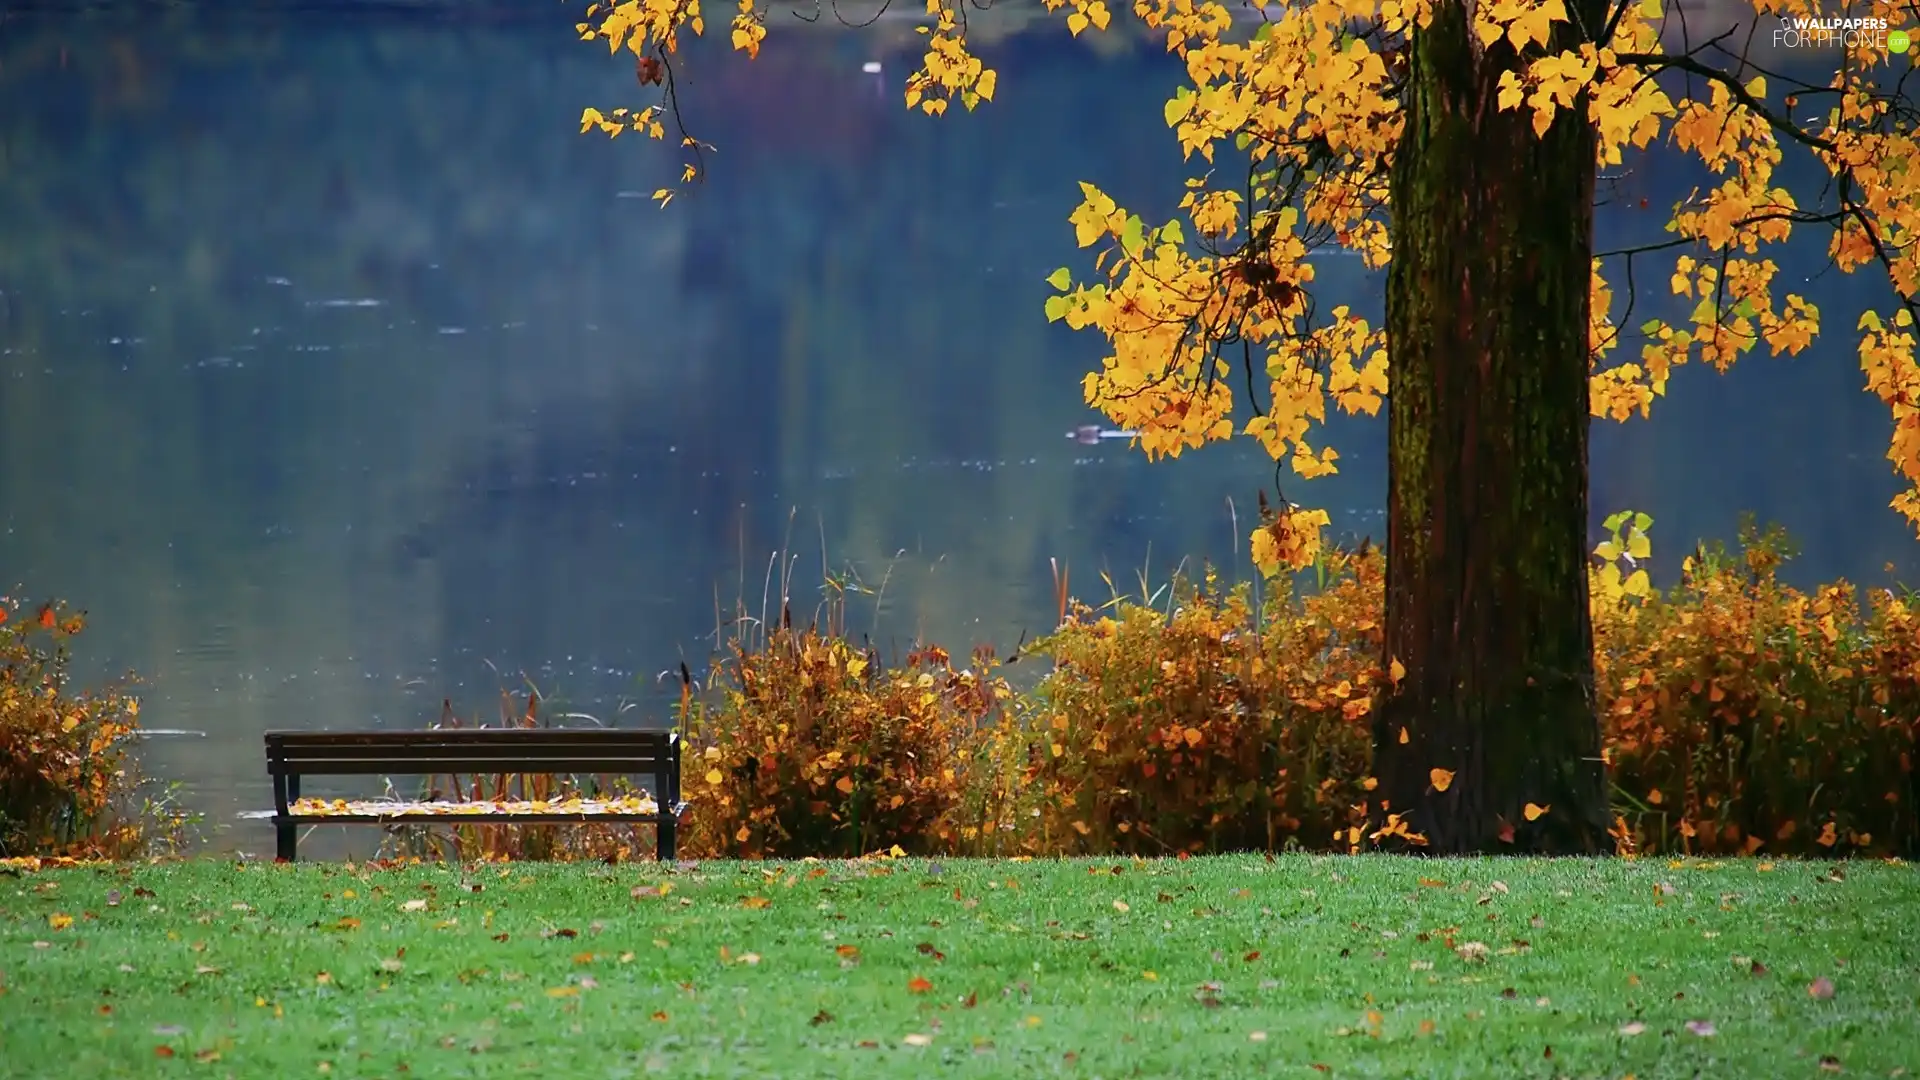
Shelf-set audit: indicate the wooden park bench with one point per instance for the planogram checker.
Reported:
(476, 753)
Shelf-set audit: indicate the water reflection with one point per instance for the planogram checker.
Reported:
(341, 376)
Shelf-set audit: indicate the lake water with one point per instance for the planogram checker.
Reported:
(339, 375)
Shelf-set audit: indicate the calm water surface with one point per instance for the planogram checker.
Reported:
(339, 375)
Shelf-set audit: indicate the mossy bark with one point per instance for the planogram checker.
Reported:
(1487, 317)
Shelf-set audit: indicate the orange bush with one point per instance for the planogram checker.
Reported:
(806, 745)
(1213, 724)
(64, 777)
(1743, 715)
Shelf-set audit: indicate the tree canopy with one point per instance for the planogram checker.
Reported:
(1295, 127)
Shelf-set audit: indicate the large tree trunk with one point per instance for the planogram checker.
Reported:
(1487, 315)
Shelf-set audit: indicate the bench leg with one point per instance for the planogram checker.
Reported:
(285, 839)
(669, 825)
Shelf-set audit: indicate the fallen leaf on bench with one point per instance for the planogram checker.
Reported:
(398, 808)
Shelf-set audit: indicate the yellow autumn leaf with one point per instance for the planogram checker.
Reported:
(1442, 778)
(1535, 813)
(844, 785)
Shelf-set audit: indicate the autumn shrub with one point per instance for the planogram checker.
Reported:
(1209, 723)
(1738, 714)
(804, 743)
(67, 785)
(1743, 715)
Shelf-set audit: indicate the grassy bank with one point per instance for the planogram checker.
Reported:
(1224, 966)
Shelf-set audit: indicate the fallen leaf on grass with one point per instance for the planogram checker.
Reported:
(1634, 1028)
(59, 920)
(1257, 1036)
(1702, 1028)
(414, 905)
(821, 1017)
(918, 1039)
(1829, 1063)
(1820, 989)
(1118, 905)
(918, 985)
(563, 991)
(755, 903)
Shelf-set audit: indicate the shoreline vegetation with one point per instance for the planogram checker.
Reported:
(1742, 717)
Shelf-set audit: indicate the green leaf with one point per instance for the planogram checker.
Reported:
(1178, 106)
(1242, 141)
(1132, 235)
(1056, 308)
(1705, 313)
(1744, 309)
(1171, 233)
(1651, 327)
(1060, 279)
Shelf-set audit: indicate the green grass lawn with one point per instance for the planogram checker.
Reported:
(1234, 966)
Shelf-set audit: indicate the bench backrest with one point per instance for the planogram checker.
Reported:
(477, 751)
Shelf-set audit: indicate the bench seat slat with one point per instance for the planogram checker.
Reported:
(507, 743)
(489, 736)
(475, 819)
(361, 811)
(485, 766)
